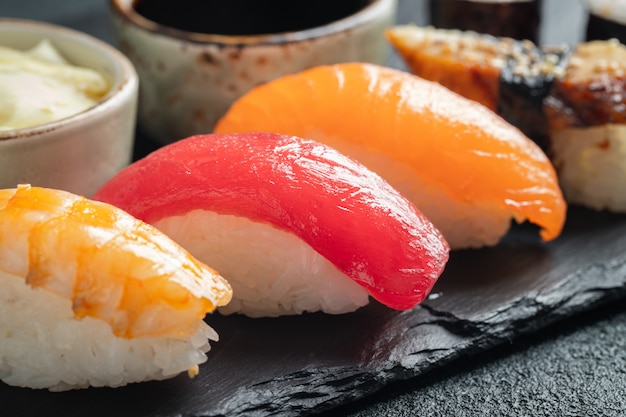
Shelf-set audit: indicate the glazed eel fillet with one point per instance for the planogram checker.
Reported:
(570, 100)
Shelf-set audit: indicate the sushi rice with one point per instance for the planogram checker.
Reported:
(590, 163)
(77, 353)
(272, 271)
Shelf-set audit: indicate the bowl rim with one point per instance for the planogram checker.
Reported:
(124, 9)
(123, 84)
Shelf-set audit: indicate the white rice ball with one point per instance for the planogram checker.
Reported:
(591, 165)
(43, 345)
(272, 272)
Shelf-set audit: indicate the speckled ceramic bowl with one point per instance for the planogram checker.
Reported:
(80, 152)
(189, 80)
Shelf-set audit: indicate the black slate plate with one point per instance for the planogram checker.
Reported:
(295, 366)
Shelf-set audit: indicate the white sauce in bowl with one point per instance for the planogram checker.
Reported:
(39, 86)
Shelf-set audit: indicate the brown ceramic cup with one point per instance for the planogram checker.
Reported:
(189, 79)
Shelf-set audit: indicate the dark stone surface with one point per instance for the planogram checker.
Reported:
(525, 328)
(294, 366)
(575, 367)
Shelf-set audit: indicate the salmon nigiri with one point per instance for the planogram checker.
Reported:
(292, 224)
(91, 296)
(463, 166)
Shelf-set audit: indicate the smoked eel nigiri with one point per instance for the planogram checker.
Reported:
(90, 296)
(463, 166)
(570, 100)
(292, 224)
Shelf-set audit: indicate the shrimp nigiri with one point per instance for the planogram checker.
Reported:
(462, 165)
(91, 296)
(292, 224)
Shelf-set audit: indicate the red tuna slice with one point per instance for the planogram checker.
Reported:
(341, 209)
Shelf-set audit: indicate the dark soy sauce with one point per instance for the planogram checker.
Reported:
(514, 19)
(246, 17)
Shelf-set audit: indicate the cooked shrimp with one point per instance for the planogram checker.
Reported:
(110, 265)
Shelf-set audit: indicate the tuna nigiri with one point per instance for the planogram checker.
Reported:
(90, 296)
(463, 166)
(292, 224)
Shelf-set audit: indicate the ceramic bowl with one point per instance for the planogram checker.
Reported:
(80, 152)
(189, 79)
